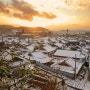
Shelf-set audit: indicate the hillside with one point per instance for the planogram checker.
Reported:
(7, 29)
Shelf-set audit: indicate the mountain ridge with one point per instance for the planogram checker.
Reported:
(8, 29)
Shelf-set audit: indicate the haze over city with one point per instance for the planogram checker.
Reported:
(50, 14)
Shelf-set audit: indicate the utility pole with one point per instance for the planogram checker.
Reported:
(75, 68)
(89, 68)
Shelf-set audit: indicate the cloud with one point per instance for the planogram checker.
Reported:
(47, 15)
(3, 8)
(78, 3)
(23, 10)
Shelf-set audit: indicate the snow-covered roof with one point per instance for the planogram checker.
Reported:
(57, 61)
(23, 43)
(73, 40)
(63, 41)
(40, 57)
(87, 47)
(53, 39)
(26, 34)
(49, 48)
(59, 44)
(85, 50)
(26, 56)
(45, 40)
(70, 68)
(31, 47)
(71, 62)
(67, 53)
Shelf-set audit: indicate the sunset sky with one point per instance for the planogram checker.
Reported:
(51, 14)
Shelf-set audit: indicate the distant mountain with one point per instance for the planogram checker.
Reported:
(33, 29)
(7, 29)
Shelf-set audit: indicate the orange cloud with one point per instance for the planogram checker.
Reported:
(47, 15)
(23, 10)
(78, 3)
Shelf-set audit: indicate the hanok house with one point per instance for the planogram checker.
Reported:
(31, 47)
(68, 67)
(40, 57)
(71, 54)
(49, 49)
(59, 45)
(73, 42)
(88, 47)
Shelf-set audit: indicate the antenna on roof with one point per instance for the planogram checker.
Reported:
(67, 34)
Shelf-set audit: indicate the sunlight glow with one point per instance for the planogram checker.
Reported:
(68, 12)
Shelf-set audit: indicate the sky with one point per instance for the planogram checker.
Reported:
(51, 14)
